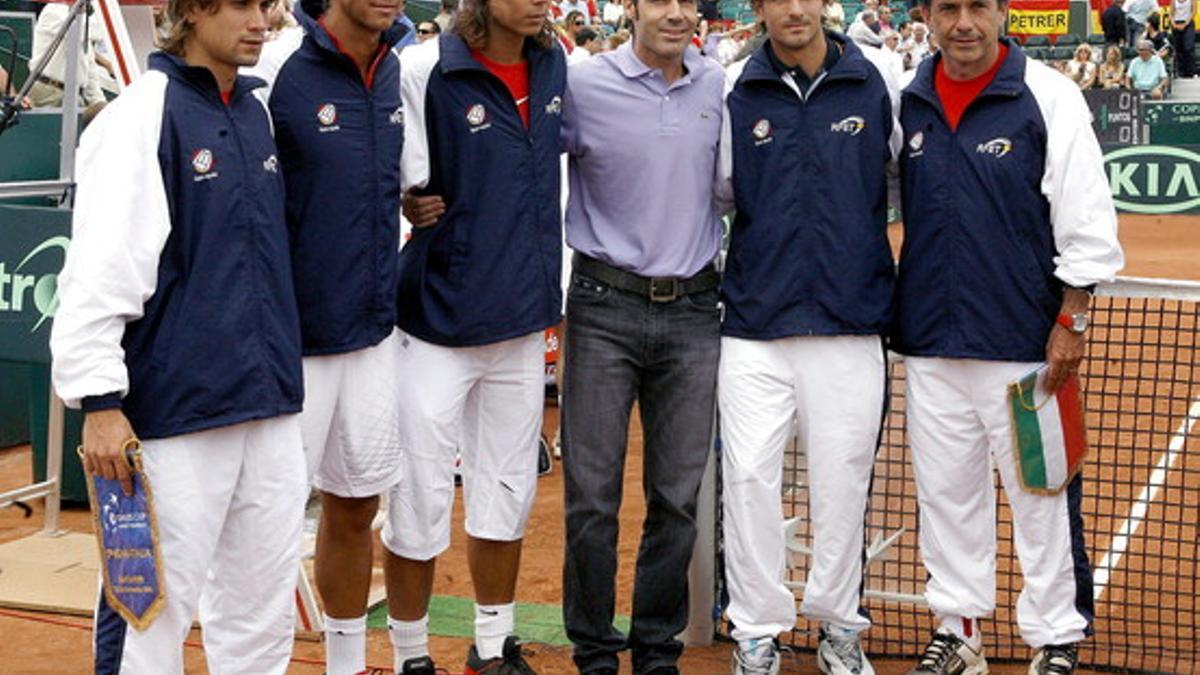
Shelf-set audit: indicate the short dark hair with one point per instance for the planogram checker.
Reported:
(585, 36)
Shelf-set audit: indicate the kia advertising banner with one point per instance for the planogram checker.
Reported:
(1154, 179)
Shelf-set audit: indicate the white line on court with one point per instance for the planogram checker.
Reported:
(1137, 514)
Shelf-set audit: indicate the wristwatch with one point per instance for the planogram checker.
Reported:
(1076, 323)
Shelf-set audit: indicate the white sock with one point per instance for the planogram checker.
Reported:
(755, 647)
(345, 645)
(965, 629)
(410, 640)
(493, 623)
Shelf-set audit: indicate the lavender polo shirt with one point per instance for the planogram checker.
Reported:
(642, 162)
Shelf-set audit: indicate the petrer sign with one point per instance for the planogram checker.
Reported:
(1154, 179)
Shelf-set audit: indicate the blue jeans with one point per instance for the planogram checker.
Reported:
(622, 348)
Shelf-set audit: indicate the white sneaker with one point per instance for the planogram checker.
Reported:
(762, 658)
(948, 654)
(840, 653)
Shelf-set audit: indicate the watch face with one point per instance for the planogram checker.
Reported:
(1079, 322)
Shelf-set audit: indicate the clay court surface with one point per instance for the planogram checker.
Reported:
(1165, 247)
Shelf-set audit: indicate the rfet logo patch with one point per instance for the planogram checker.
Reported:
(997, 147)
(852, 125)
(203, 161)
(327, 115)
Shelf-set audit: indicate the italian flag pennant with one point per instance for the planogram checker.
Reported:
(1049, 440)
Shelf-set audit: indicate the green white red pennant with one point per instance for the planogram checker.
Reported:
(1049, 439)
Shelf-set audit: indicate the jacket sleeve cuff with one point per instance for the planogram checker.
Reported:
(102, 402)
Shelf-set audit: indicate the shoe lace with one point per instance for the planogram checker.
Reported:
(938, 652)
(756, 661)
(1059, 659)
(848, 650)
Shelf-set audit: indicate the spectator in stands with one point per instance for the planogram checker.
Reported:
(410, 29)
(868, 6)
(617, 39)
(572, 24)
(1112, 21)
(1081, 69)
(891, 54)
(1136, 14)
(587, 43)
(1147, 73)
(445, 15)
(280, 19)
(865, 31)
(834, 17)
(427, 30)
(1112, 70)
(916, 47)
(613, 13)
(25, 104)
(885, 19)
(47, 91)
(1157, 36)
(580, 6)
(1183, 36)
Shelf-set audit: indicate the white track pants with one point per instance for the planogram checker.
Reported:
(230, 512)
(959, 425)
(832, 389)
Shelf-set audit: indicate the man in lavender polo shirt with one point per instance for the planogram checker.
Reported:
(640, 126)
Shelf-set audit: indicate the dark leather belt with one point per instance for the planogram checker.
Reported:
(50, 81)
(657, 289)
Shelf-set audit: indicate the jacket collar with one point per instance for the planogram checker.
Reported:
(313, 29)
(455, 55)
(199, 77)
(851, 66)
(1009, 80)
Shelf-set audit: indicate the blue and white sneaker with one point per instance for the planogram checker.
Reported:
(759, 657)
(840, 652)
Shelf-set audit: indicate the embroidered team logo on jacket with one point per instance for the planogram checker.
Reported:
(477, 117)
(852, 125)
(554, 107)
(915, 143)
(203, 165)
(327, 115)
(997, 147)
(397, 116)
(761, 132)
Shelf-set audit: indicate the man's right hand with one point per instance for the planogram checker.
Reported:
(105, 434)
(423, 211)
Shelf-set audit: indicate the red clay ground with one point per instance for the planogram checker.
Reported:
(1156, 246)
